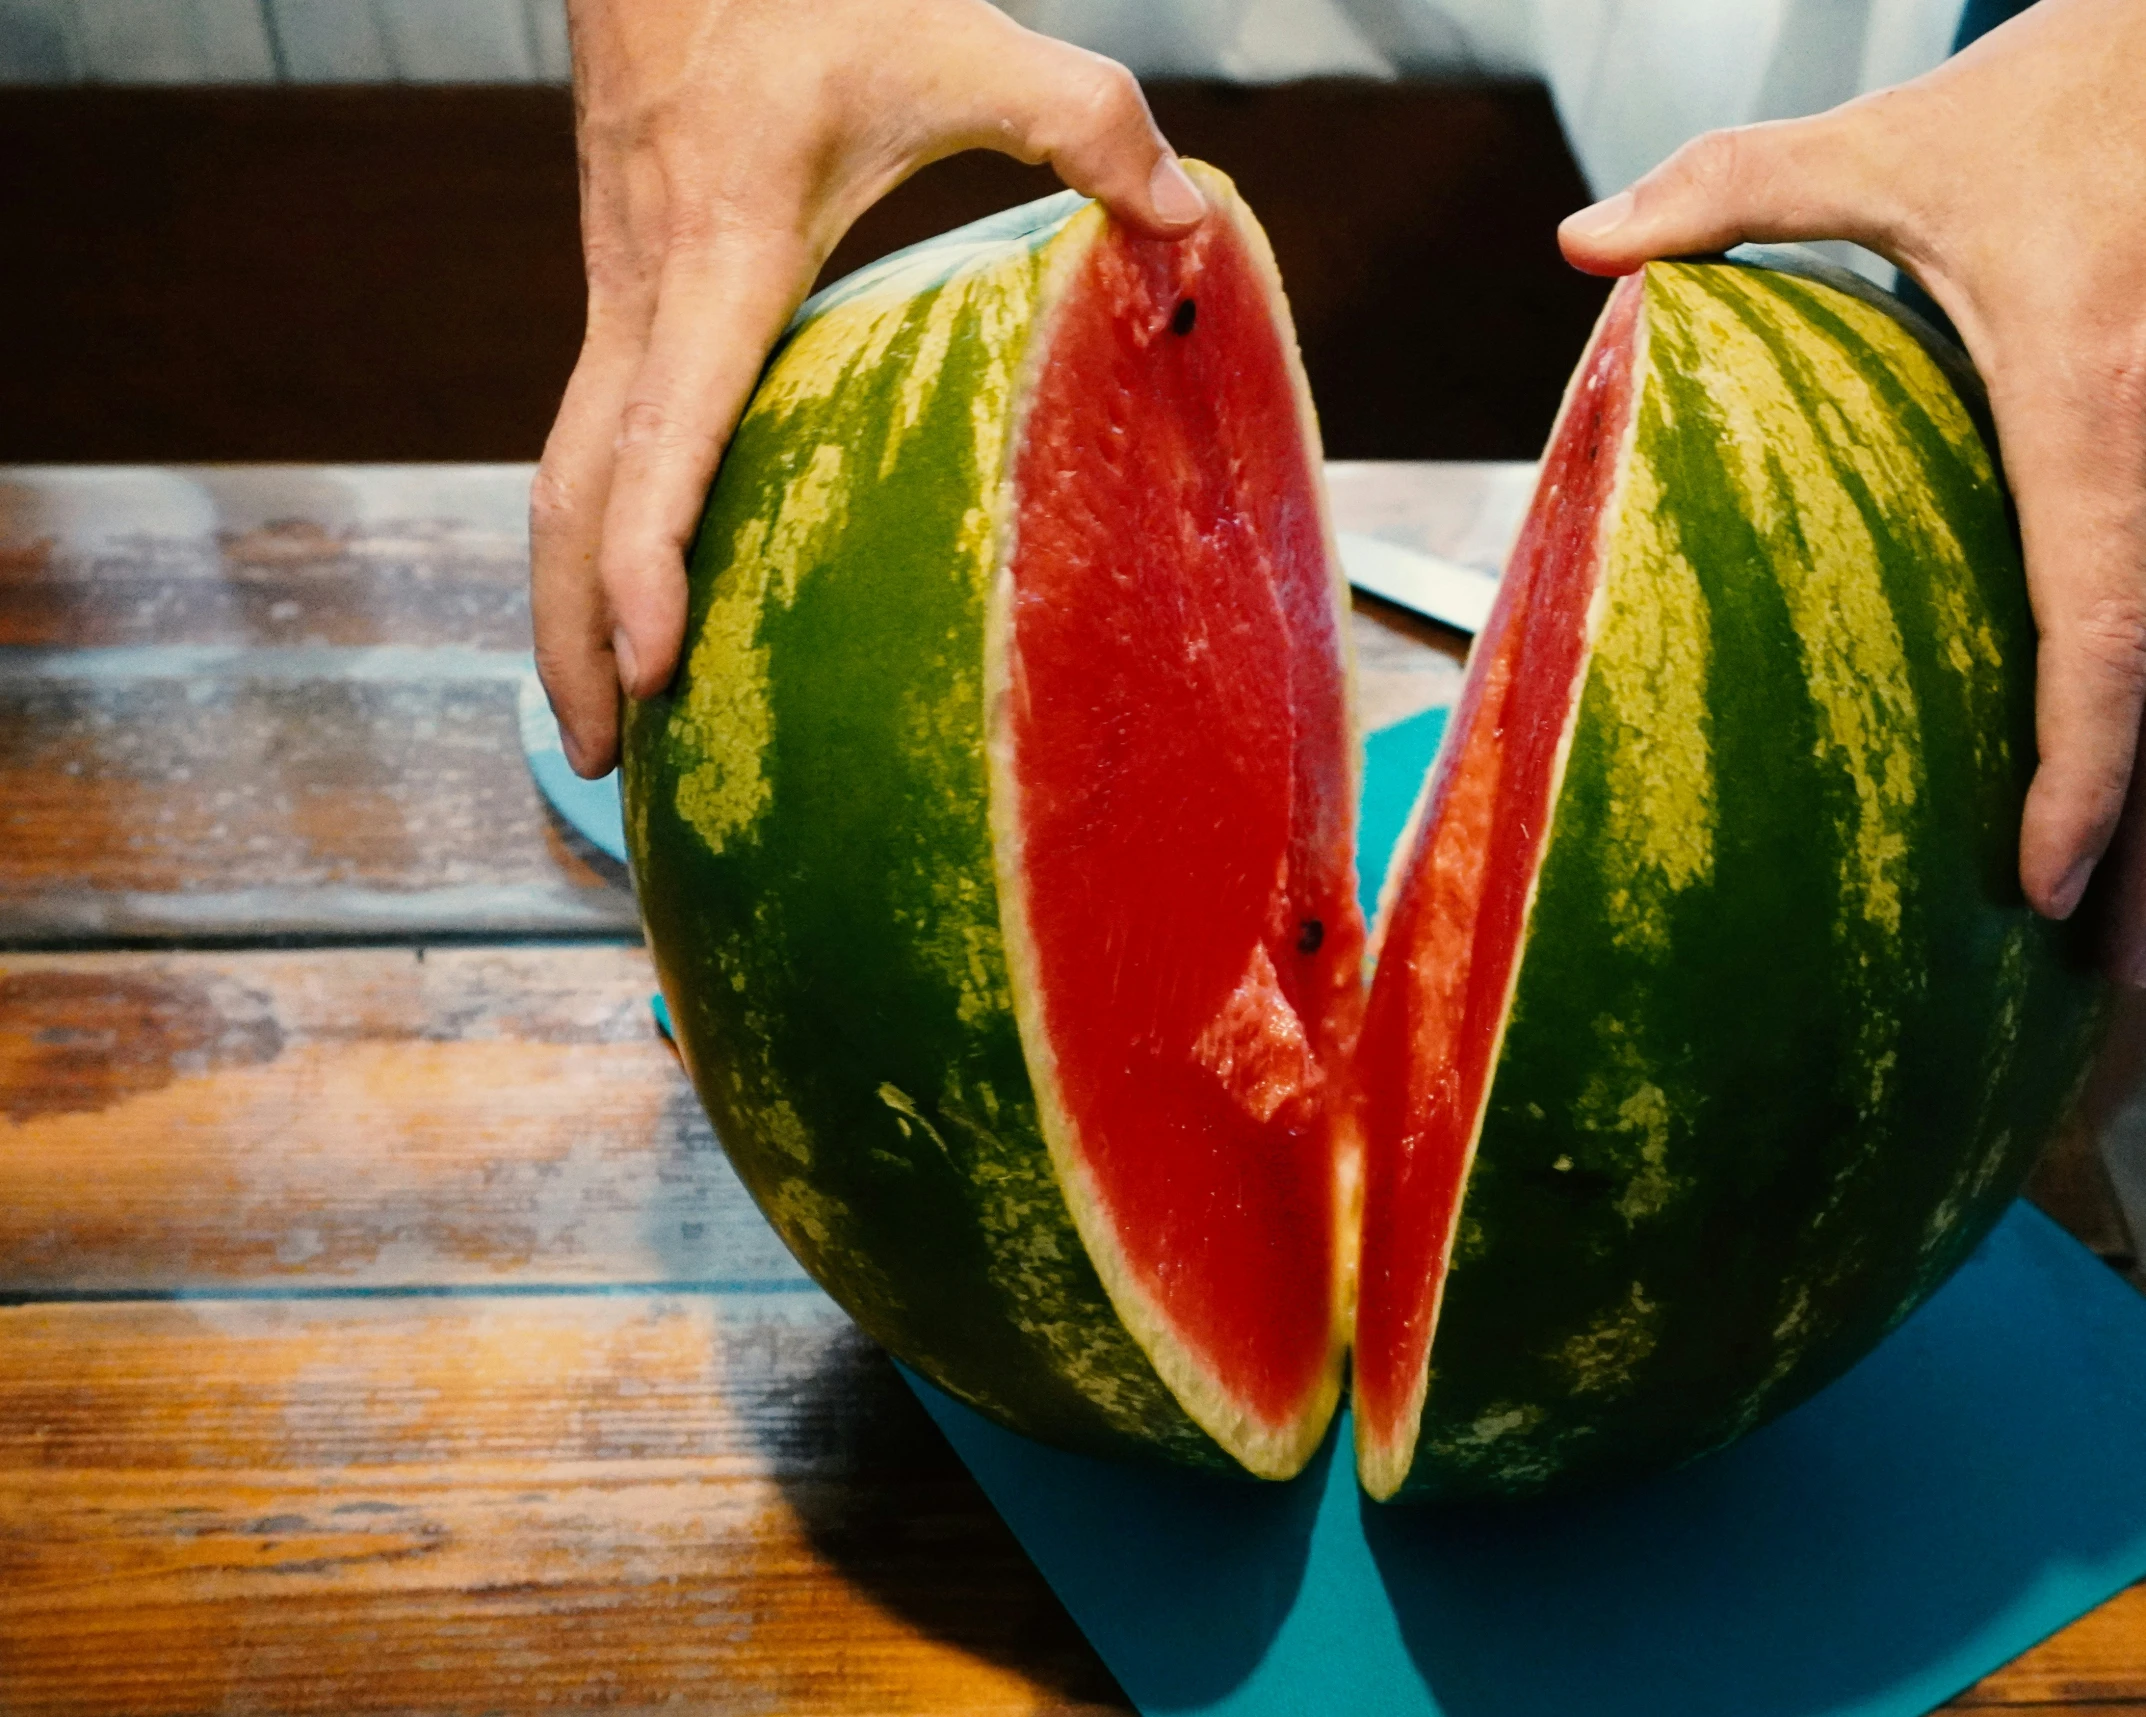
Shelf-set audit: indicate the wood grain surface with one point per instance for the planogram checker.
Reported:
(381, 1329)
(624, 1503)
(382, 1118)
(388, 1333)
(264, 555)
(246, 704)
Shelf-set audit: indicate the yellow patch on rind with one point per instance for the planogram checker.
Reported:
(1649, 671)
(1786, 463)
(1599, 1360)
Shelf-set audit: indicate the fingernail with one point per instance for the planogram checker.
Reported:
(1175, 197)
(629, 666)
(1599, 220)
(2064, 899)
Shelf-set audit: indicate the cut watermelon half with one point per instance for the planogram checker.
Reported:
(1709, 1031)
(994, 845)
(995, 840)
(1173, 790)
(1458, 896)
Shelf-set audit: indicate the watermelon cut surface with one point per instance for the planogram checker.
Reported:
(1454, 930)
(1174, 768)
(1709, 1030)
(995, 841)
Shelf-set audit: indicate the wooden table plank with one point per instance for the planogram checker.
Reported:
(472, 1505)
(249, 703)
(294, 555)
(366, 1118)
(264, 554)
(259, 703)
(2096, 1664)
(637, 1502)
(235, 804)
(373, 1118)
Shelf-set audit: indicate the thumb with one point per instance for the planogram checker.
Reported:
(1825, 177)
(1087, 117)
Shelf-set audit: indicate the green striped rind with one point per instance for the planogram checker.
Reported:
(1785, 1038)
(808, 810)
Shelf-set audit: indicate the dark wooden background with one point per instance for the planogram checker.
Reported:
(392, 273)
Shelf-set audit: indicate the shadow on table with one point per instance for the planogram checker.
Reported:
(1877, 1549)
(887, 1505)
(1183, 1582)
(882, 1496)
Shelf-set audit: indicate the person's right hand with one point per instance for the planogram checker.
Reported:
(726, 145)
(2011, 182)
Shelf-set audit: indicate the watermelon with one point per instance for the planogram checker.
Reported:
(995, 847)
(1709, 1030)
(995, 839)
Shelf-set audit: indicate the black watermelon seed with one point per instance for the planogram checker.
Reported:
(1181, 322)
(1310, 935)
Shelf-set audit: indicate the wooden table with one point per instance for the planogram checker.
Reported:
(380, 1326)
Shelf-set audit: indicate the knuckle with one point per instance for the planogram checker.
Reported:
(1101, 96)
(558, 671)
(2110, 633)
(552, 504)
(1115, 94)
(662, 441)
(696, 225)
(1712, 164)
(649, 426)
(2120, 384)
(709, 219)
(610, 261)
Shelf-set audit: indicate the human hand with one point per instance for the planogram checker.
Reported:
(726, 146)
(2011, 182)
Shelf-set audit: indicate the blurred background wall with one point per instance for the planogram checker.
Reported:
(1631, 78)
(345, 229)
(266, 41)
(392, 271)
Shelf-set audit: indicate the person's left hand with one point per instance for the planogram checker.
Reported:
(726, 145)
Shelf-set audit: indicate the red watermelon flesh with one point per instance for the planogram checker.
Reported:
(1448, 950)
(1184, 910)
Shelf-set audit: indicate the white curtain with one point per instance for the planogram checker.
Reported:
(1632, 79)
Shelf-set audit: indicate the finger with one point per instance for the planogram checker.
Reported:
(2090, 671)
(1824, 177)
(621, 201)
(566, 516)
(2123, 927)
(720, 307)
(2076, 472)
(1087, 117)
